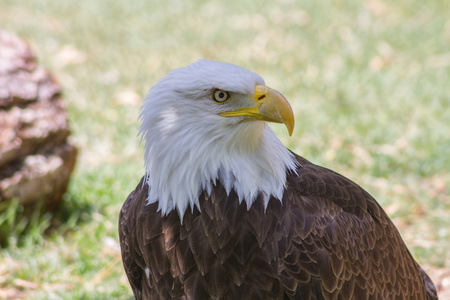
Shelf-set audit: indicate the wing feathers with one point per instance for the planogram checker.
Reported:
(327, 239)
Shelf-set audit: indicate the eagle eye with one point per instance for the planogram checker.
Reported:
(220, 95)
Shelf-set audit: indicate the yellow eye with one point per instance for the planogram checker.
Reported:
(220, 95)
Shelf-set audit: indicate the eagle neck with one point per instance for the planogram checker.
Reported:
(248, 159)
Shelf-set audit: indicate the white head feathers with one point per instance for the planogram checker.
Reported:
(189, 146)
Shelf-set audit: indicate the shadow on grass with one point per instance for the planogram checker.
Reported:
(29, 224)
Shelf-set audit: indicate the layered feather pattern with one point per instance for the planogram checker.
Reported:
(326, 239)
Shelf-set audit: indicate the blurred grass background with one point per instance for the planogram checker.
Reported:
(369, 82)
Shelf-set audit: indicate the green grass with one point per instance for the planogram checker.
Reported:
(368, 81)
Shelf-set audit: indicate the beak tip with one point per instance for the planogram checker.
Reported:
(290, 128)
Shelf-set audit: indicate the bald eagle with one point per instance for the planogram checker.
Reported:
(225, 211)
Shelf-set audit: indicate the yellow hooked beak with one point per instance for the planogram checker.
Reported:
(269, 105)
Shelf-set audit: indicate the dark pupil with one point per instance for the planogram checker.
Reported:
(221, 95)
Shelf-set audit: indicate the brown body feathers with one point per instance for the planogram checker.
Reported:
(326, 239)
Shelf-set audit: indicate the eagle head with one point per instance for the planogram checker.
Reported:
(208, 122)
